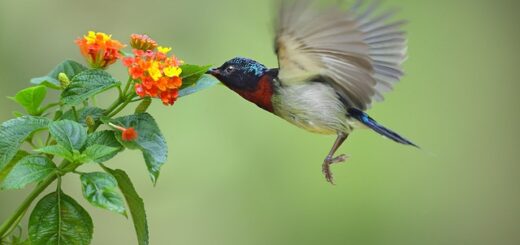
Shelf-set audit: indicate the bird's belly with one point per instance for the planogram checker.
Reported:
(314, 107)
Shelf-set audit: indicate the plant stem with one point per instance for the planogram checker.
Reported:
(127, 101)
(127, 87)
(120, 91)
(76, 117)
(49, 106)
(65, 167)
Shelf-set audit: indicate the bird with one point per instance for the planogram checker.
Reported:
(333, 64)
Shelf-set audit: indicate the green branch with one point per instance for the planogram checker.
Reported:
(17, 216)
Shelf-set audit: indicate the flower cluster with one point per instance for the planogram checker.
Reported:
(158, 74)
(155, 73)
(99, 49)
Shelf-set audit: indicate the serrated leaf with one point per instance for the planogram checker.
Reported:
(59, 219)
(106, 138)
(87, 84)
(69, 67)
(204, 82)
(97, 153)
(83, 113)
(29, 169)
(31, 98)
(7, 169)
(135, 204)
(14, 132)
(150, 141)
(100, 190)
(57, 150)
(69, 134)
(192, 73)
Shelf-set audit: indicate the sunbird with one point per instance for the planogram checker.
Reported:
(332, 65)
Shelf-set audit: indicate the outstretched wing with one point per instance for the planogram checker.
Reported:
(358, 52)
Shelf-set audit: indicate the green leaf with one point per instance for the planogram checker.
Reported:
(31, 98)
(150, 141)
(14, 132)
(59, 219)
(135, 204)
(20, 242)
(17, 114)
(7, 169)
(105, 138)
(202, 83)
(69, 134)
(83, 113)
(192, 73)
(28, 170)
(87, 84)
(100, 190)
(97, 153)
(57, 150)
(69, 67)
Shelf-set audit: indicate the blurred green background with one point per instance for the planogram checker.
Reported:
(238, 175)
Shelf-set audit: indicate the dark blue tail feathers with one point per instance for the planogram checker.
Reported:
(371, 123)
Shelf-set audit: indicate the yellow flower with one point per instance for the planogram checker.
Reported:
(154, 71)
(164, 50)
(92, 37)
(172, 71)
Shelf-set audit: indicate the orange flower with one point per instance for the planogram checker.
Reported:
(142, 42)
(99, 49)
(157, 73)
(127, 134)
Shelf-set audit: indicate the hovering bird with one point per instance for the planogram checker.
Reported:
(333, 64)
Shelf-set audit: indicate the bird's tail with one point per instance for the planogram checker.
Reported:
(371, 123)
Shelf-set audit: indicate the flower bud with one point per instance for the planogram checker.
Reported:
(90, 121)
(142, 42)
(64, 80)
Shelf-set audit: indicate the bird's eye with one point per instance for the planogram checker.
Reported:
(229, 69)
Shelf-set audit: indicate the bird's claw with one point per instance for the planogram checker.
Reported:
(326, 166)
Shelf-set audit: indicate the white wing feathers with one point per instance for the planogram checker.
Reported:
(358, 52)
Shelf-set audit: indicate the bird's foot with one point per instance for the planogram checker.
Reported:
(329, 161)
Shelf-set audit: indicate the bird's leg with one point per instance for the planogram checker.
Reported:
(330, 159)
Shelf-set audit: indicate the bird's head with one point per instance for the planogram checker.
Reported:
(240, 73)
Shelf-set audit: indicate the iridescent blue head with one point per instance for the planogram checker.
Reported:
(240, 73)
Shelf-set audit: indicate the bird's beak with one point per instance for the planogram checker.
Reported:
(213, 71)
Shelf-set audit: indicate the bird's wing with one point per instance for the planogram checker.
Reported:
(358, 52)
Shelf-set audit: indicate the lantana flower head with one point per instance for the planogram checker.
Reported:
(99, 49)
(157, 73)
